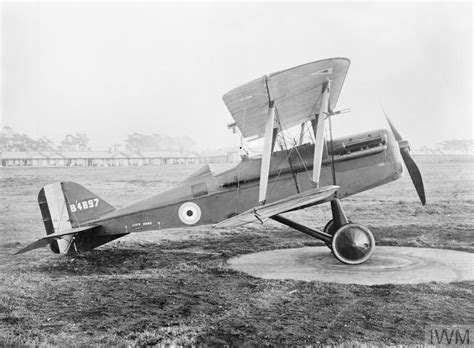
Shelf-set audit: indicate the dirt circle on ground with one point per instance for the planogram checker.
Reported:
(388, 265)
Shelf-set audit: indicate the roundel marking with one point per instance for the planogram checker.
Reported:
(189, 213)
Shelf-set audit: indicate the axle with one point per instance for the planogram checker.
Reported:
(309, 231)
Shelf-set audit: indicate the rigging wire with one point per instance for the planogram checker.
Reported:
(308, 129)
(241, 148)
(283, 137)
(286, 158)
(289, 158)
(283, 128)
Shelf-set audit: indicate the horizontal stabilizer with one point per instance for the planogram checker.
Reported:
(298, 201)
(50, 237)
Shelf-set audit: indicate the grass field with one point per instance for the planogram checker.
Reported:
(174, 286)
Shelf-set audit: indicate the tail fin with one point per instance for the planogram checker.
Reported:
(67, 205)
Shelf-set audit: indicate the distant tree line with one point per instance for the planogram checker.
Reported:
(453, 146)
(136, 142)
(457, 145)
(13, 141)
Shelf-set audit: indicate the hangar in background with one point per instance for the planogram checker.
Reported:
(108, 159)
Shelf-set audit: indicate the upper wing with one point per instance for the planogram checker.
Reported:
(296, 93)
(298, 201)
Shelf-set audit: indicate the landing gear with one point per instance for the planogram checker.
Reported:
(353, 244)
(329, 228)
(350, 243)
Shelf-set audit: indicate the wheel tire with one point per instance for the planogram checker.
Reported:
(329, 228)
(353, 244)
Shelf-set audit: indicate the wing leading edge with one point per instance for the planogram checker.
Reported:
(298, 201)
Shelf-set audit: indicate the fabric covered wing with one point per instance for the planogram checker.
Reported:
(298, 201)
(296, 93)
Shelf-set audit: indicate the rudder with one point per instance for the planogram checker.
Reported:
(66, 205)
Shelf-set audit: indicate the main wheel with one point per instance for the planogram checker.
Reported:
(353, 244)
(329, 228)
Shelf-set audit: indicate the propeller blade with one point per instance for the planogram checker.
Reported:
(397, 135)
(415, 174)
(410, 163)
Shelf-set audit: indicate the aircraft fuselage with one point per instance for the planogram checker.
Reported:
(361, 162)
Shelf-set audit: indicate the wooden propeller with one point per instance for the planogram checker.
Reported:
(410, 163)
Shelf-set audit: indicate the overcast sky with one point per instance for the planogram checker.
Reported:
(111, 69)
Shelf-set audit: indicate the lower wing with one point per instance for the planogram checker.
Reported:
(301, 200)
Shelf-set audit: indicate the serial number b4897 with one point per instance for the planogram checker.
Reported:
(87, 204)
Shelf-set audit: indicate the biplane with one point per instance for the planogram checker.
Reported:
(259, 188)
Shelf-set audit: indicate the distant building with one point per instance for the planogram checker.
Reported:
(108, 159)
(55, 159)
(133, 159)
(152, 158)
(38, 160)
(77, 159)
(15, 159)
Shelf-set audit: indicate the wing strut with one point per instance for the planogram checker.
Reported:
(301, 134)
(270, 135)
(318, 128)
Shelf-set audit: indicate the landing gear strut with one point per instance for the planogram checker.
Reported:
(350, 243)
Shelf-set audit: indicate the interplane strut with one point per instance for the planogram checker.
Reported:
(268, 144)
(318, 128)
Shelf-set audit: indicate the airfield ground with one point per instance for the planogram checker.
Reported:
(176, 287)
